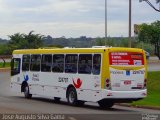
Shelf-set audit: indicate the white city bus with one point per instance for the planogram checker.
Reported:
(103, 75)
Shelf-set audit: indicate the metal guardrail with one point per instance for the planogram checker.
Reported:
(5, 56)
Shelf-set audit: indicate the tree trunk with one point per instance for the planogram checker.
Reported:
(157, 52)
(4, 62)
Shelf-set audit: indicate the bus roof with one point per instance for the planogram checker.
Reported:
(76, 50)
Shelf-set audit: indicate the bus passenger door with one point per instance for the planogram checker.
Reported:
(15, 69)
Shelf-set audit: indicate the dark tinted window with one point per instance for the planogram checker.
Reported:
(85, 64)
(35, 62)
(96, 64)
(46, 63)
(25, 62)
(58, 63)
(15, 66)
(71, 63)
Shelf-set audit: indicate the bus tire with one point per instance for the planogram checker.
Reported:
(72, 96)
(26, 92)
(104, 104)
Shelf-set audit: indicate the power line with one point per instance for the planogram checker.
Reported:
(147, 1)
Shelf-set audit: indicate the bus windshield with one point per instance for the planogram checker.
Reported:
(126, 58)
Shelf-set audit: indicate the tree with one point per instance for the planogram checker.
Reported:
(146, 46)
(25, 41)
(150, 33)
(17, 41)
(100, 42)
(3, 49)
(33, 40)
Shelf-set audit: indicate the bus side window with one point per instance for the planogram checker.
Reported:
(46, 63)
(71, 63)
(35, 62)
(15, 66)
(58, 63)
(85, 64)
(96, 64)
(25, 62)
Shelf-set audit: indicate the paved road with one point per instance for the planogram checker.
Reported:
(15, 103)
(154, 66)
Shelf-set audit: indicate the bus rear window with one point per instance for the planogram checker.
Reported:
(126, 58)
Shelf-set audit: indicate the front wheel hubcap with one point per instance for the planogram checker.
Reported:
(71, 97)
(26, 91)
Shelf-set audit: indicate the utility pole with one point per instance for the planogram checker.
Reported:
(130, 24)
(106, 22)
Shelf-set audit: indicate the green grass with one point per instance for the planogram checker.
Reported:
(6, 65)
(153, 86)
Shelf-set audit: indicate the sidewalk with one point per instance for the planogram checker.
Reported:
(153, 60)
(5, 69)
(139, 106)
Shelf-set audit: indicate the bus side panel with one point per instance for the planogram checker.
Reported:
(46, 84)
(89, 95)
(90, 88)
(15, 87)
(55, 84)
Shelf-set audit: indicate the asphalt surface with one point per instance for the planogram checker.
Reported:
(15, 103)
(154, 66)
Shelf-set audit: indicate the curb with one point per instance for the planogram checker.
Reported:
(5, 69)
(153, 61)
(138, 106)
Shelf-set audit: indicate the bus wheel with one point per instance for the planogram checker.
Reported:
(104, 104)
(72, 96)
(26, 92)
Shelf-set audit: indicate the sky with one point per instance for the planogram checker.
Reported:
(72, 18)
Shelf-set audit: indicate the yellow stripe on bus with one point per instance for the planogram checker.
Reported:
(127, 67)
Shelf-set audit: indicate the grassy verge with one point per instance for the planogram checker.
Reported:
(6, 65)
(153, 86)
